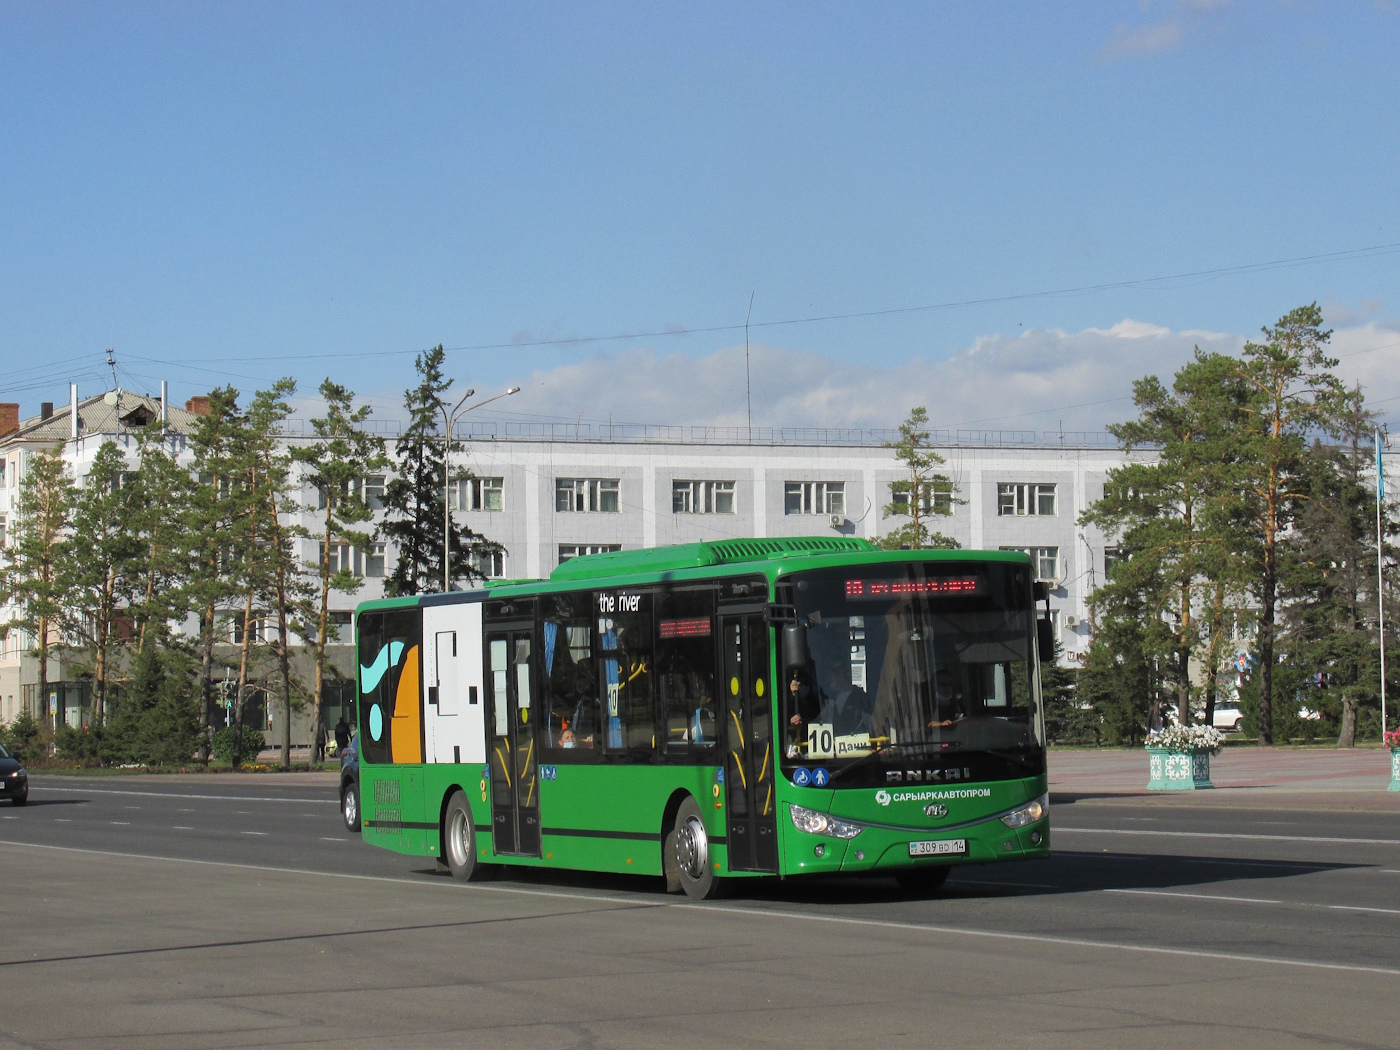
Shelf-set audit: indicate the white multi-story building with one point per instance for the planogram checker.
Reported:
(549, 493)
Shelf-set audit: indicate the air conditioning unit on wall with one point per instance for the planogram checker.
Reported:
(1071, 620)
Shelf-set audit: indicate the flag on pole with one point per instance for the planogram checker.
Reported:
(1380, 471)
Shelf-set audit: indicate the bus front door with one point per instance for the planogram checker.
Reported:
(515, 793)
(749, 757)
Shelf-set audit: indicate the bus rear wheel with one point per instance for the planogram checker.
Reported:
(459, 839)
(922, 882)
(689, 849)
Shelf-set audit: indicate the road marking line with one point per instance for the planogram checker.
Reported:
(1058, 830)
(124, 823)
(325, 838)
(1258, 900)
(951, 931)
(173, 794)
(252, 832)
(180, 827)
(63, 820)
(1358, 907)
(1198, 896)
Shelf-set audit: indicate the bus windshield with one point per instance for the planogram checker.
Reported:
(928, 658)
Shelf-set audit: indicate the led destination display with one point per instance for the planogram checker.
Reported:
(868, 590)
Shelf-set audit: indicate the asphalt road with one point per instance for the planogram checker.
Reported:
(221, 911)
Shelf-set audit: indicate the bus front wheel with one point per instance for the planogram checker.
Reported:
(459, 839)
(689, 852)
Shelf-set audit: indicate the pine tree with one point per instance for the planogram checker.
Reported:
(925, 493)
(270, 556)
(1293, 394)
(415, 499)
(1327, 579)
(1068, 720)
(161, 513)
(35, 578)
(1172, 516)
(336, 466)
(102, 549)
(214, 509)
(1118, 680)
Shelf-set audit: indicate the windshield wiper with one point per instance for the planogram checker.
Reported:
(915, 748)
(883, 749)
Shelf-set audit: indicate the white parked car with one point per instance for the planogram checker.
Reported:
(1229, 719)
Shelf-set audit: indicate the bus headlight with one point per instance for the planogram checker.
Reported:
(1029, 813)
(815, 823)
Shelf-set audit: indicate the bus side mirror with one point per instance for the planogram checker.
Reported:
(794, 647)
(1045, 638)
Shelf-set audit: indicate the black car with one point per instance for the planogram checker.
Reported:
(14, 781)
(350, 784)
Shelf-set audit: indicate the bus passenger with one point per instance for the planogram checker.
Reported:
(846, 707)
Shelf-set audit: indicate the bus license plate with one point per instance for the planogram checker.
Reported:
(937, 848)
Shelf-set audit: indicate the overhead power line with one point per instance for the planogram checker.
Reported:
(675, 331)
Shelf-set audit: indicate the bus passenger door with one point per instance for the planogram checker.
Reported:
(749, 756)
(515, 793)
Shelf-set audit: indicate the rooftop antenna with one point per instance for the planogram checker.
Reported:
(112, 364)
(748, 385)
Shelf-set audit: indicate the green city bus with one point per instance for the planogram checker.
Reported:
(713, 711)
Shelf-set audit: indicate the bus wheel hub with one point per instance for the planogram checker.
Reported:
(692, 848)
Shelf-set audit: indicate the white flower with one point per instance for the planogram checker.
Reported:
(1186, 738)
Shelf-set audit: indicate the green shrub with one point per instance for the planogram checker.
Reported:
(22, 738)
(245, 740)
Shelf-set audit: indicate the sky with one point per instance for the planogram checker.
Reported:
(1004, 212)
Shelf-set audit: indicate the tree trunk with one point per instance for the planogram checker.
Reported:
(146, 607)
(318, 694)
(206, 663)
(1183, 661)
(1266, 654)
(243, 677)
(43, 700)
(100, 675)
(285, 665)
(1347, 737)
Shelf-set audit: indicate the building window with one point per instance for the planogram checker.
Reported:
(578, 550)
(586, 494)
(479, 494)
(1112, 558)
(491, 564)
(1022, 499)
(702, 497)
(338, 626)
(370, 489)
(935, 497)
(360, 564)
(1054, 625)
(263, 630)
(1045, 561)
(814, 497)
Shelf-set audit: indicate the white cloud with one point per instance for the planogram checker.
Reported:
(1037, 380)
(1143, 40)
(1041, 380)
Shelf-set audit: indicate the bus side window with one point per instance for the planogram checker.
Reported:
(571, 696)
(628, 673)
(685, 664)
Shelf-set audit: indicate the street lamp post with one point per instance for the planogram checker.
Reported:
(450, 419)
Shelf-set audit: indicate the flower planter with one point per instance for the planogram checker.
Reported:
(1172, 769)
(1395, 769)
